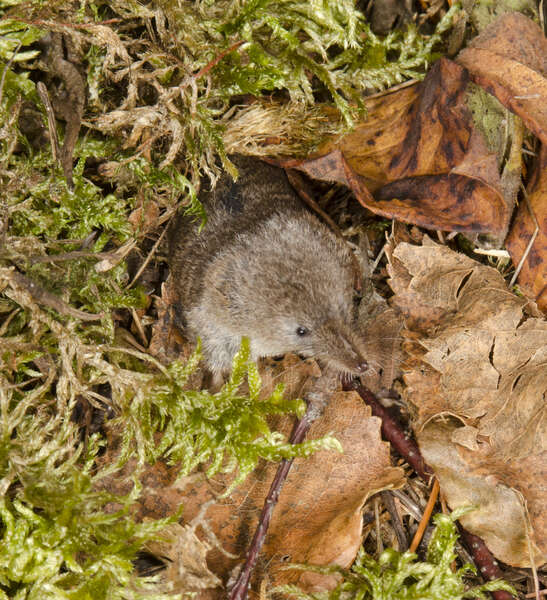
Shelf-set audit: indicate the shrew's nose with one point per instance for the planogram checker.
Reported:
(362, 366)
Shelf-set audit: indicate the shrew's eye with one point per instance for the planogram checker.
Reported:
(301, 331)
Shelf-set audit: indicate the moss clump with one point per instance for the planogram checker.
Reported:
(228, 430)
(61, 535)
(400, 576)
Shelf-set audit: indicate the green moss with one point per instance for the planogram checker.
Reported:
(400, 576)
(489, 116)
(61, 535)
(228, 430)
(485, 12)
(192, 61)
(60, 540)
(14, 37)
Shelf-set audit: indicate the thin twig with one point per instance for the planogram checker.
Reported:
(297, 182)
(416, 512)
(530, 243)
(377, 259)
(112, 259)
(19, 386)
(42, 296)
(8, 320)
(128, 337)
(387, 498)
(76, 254)
(216, 60)
(144, 356)
(191, 80)
(51, 122)
(535, 577)
(140, 328)
(425, 517)
(495, 253)
(393, 432)
(301, 427)
(379, 543)
(484, 560)
(148, 258)
(393, 89)
(411, 506)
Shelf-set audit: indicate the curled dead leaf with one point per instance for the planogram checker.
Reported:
(499, 514)
(417, 157)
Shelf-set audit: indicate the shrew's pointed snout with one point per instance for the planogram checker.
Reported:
(343, 349)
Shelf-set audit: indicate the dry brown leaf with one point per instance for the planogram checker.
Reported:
(533, 276)
(320, 518)
(185, 555)
(481, 358)
(144, 217)
(499, 518)
(382, 343)
(509, 60)
(417, 157)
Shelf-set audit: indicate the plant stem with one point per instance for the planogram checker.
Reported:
(298, 434)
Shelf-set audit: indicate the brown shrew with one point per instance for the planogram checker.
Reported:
(265, 267)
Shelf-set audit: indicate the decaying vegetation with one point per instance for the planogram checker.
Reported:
(145, 100)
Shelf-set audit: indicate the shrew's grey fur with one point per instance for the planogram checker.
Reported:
(266, 268)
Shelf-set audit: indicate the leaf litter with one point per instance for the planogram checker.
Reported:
(152, 125)
(476, 380)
